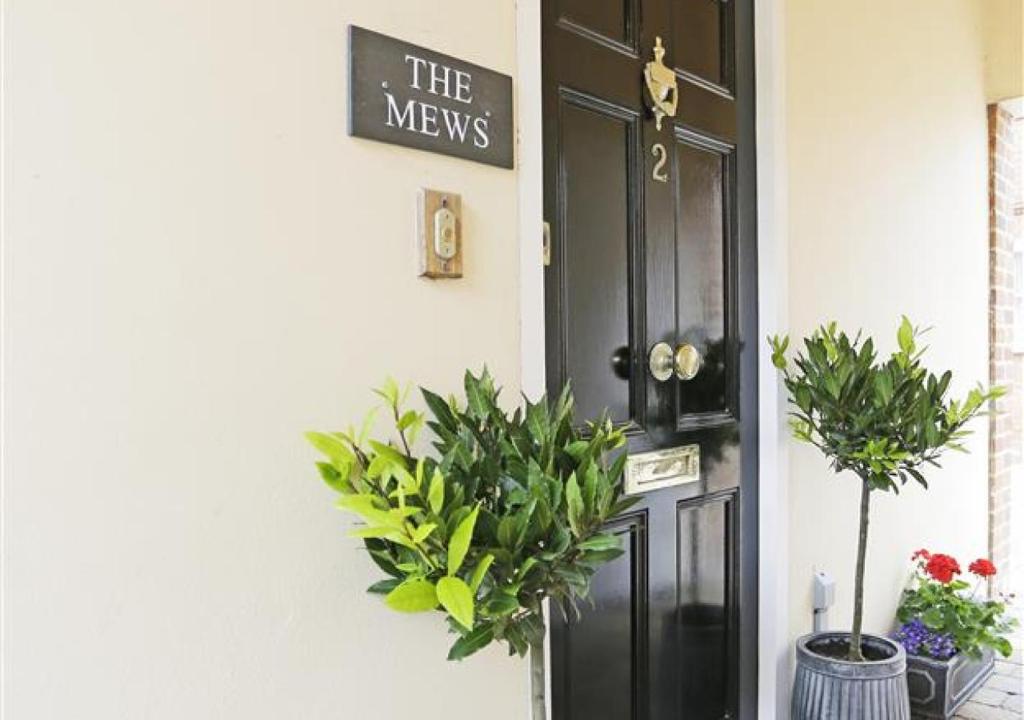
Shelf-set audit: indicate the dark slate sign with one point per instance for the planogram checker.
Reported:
(408, 95)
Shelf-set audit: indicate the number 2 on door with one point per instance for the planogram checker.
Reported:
(658, 173)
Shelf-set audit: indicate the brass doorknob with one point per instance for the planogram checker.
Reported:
(661, 362)
(687, 362)
(684, 362)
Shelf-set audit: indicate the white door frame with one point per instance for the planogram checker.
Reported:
(773, 601)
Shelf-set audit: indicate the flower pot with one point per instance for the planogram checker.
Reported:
(829, 687)
(939, 687)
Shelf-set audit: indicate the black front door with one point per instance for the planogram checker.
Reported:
(652, 277)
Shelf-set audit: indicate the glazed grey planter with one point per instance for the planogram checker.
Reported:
(939, 687)
(827, 688)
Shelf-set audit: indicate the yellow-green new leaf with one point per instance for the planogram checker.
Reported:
(380, 465)
(363, 505)
(423, 532)
(384, 533)
(413, 596)
(481, 570)
(419, 474)
(905, 336)
(367, 427)
(413, 431)
(407, 419)
(435, 496)
(456, 597)
(406, 480)
(377, 532)
(332, 446)
(389, 391)
(336, 480)
(458, 546)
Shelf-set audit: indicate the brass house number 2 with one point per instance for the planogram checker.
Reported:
(663, 95)
(661, 154)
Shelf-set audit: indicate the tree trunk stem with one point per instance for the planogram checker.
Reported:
(858, 585)
(538, 696)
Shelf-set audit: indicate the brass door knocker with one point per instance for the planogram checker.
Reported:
(661, 85)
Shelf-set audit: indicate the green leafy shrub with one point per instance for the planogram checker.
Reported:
(885, 421)
(507, 513)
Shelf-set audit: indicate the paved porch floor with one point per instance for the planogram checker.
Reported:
(1000, 697)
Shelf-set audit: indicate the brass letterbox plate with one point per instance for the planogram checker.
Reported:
(662, 468)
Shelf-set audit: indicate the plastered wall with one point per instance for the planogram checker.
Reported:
(199, 264)
(1002, 23)
(888, 216)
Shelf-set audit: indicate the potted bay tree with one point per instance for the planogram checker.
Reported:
(886, 422)
(507, 512)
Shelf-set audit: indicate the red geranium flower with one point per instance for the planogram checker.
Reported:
(982, 568)
(942, 567)
(922, 553)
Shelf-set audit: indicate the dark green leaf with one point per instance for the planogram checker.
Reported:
(440, 410)
(575, 505)
(383, 587)
(469, 644)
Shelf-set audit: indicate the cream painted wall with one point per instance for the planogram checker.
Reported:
(198, 265)
(888, 215)
(1003, 27)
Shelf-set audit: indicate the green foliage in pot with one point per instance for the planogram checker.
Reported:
(507, 512)
(886, 421)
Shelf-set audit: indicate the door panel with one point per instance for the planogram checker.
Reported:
(706, 605)
(597, 141)
(612, 21)
(702, 30)
(639, 259)
(703, 265)
(615, 628)
(706, 112)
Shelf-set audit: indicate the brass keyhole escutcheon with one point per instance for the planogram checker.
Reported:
(661, 85)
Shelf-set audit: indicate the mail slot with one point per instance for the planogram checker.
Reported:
(662, 468)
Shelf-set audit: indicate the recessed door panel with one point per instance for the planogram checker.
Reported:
(703, 34)
(597, 143)
(705, 606)
(702, 262)
(609, 628)
(615, 21)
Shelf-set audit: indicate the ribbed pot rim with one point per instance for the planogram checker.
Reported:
(893, 666)
(957, 659)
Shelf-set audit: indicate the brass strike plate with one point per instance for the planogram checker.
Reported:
(439, 234)
(662, 468)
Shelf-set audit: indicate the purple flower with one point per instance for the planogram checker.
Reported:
(917, 639)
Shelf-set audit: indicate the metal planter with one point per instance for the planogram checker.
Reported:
(827, 688)
(939, 687)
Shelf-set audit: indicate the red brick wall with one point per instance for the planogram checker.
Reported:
(1005, 366)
